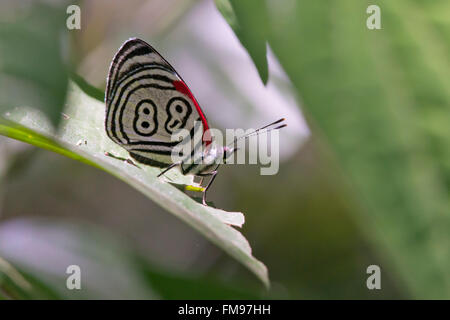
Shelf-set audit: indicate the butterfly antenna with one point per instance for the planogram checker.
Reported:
(252, 134)
(270, 124)
(258, 131)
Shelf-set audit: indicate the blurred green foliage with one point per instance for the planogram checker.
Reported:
(32, 70)
(100, 255)
(236, 14)
(19, 285)
(381, 100)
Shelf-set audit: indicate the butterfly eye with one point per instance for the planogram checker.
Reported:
(179, 108)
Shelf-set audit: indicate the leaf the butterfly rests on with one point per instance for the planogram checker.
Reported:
(82, 119)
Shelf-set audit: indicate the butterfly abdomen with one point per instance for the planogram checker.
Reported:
(198, 169)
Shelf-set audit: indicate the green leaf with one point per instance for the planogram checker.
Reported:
(245, 22)
(381, 100)
(81, 136)
(32, 71)
(12, 284)
(16, 284)
(87, 88)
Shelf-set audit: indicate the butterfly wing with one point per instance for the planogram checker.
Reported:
(146, 102)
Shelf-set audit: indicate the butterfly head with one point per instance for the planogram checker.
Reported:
(217, 154)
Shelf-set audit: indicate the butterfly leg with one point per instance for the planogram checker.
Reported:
(213, 176)
(168, 168)
(129, 161)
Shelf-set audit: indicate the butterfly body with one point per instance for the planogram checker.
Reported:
(147, 103)
(210, 159)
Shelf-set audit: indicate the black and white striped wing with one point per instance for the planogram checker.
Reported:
(146, 102)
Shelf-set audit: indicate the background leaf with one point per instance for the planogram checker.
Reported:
(380, 99)
(17, 284)
(32, 70)
(12, 284)
(245, 22)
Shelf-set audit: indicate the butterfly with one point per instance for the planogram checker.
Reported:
(147, 102)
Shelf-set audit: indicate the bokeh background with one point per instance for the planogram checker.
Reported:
(365, 164)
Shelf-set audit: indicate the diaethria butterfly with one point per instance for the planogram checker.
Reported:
(147, 102)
